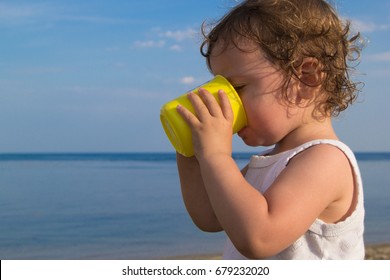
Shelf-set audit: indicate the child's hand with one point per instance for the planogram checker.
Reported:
(212, 124)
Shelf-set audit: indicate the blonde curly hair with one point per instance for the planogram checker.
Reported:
(287, 31)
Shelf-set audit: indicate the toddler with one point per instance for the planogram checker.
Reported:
(289, 61)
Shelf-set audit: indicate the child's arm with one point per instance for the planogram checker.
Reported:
(194, 194)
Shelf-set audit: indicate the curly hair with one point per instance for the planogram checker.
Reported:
(287, 31)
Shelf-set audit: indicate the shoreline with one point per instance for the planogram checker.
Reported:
(373, 252)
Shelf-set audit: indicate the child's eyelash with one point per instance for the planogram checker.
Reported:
(237, 88)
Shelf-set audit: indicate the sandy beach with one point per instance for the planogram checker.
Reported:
(373, 252)
(378, 252)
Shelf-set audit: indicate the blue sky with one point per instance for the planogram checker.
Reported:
(91, 76)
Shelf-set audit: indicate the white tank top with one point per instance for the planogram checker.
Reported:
(343, 240)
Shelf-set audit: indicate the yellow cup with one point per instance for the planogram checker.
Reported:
(179, 132)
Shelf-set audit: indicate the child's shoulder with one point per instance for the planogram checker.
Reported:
(326, 152)
(325, 164)
(335, 174)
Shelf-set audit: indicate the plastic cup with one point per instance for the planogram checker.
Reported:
(179, 132)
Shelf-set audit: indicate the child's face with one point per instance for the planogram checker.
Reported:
(259, 84)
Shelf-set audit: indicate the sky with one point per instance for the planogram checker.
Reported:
(91, 76)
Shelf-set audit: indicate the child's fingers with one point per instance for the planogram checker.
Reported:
(226, 106)
(205, 105)
(201, 110)
(187, 115)
(210, 102)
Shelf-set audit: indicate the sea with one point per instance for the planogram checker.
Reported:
(114, 206)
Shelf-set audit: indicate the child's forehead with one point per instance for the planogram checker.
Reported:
(235, 51)
(232, 60)
(236, 41)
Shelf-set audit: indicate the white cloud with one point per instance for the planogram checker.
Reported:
(90, 19)
(188, 80)
(38, 13)
(175, 39)
(179, 35)
(379, 57)
(368, 27)
(149, 44)
(112, 49)
(176, 48)
(14, 14)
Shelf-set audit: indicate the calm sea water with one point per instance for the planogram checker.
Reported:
(125, 206)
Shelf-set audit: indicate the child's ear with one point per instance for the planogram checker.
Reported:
(310, 76)
(310, 72)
